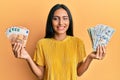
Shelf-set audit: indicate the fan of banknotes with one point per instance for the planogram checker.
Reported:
(100, 35)
(17, 34)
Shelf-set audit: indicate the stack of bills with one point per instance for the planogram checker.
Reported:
(100, 35)
(17, 34)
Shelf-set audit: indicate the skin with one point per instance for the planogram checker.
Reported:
(60, 24)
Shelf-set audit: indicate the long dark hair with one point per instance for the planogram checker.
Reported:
(49, 29)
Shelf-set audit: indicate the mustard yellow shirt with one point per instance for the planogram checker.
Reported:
(60, 58)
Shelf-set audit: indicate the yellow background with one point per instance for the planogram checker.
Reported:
(33, 14)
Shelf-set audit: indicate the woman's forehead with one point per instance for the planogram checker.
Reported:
(60, 12)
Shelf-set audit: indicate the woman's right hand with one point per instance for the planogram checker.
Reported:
(19, 51)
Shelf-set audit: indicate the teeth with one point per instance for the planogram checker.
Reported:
(60, 27)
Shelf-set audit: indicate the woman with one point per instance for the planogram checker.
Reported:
(59, 56)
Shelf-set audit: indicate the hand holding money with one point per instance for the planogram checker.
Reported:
(19, 51)
(99, 53)
(18, 36)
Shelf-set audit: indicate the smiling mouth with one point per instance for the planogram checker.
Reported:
(60, 27)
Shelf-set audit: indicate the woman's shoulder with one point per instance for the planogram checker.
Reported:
(43, 40)
(75, 38)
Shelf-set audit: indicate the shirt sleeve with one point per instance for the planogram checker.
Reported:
(39, 55)
(81, 51)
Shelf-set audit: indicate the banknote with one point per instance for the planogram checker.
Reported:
(100, 35)
(92, 36)
(17, 34)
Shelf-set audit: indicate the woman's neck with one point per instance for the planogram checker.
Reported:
(60, 37)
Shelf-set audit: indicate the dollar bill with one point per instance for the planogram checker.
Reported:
(100, 35)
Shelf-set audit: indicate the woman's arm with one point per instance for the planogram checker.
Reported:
(83, 66)
(20, 52)
(37, 70)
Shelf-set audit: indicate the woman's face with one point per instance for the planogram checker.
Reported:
(60, 21)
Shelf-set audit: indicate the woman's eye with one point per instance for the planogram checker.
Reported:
(65, 18)
(55, 18)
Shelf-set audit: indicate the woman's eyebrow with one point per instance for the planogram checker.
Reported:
(65, 16)
(59, 16)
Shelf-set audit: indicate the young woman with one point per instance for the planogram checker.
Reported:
(59, 56)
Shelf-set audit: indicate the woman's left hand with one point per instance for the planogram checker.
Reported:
(99, 53)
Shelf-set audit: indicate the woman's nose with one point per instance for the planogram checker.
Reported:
(60, 21)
